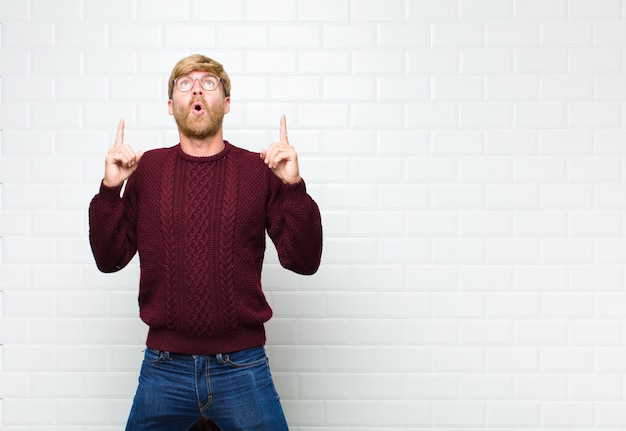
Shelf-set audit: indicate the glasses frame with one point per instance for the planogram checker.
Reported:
(193, 83)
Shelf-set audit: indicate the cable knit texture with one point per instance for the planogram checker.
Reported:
(199, 226)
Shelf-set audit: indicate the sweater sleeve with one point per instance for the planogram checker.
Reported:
(295, 227)
(112, 233)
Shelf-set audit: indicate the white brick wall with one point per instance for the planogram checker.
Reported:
(469, 160)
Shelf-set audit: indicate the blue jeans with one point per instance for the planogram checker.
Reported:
(235, 390)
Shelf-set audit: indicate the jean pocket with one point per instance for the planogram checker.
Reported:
(239, 360)
(153, 356)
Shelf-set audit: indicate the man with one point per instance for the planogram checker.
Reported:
(197, 214)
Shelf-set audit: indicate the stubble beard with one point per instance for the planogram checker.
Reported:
(194, 127)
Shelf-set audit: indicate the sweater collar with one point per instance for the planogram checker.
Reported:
(222, 154)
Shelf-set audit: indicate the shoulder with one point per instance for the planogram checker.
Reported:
(247, 158)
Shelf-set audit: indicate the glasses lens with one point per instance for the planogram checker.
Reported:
(184, 83)
(209, 82)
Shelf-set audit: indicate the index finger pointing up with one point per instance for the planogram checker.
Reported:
(283, 129)
(119, 137)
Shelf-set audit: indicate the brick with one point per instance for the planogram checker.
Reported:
(499, 88)
(487, 61)
(542, 224)
(466, 251)
(540, 115)
(432, 115)
(403, 35)
(478, 332)
(541, 9)
(179, 35)
(458, 414)
(137, 35)
(457, 196)
(512, 359)
(567, 88)
(63, 10)
(574, 414)
(541, 333)
(458, 34)
(596, 278)
(485, 10)
(595, 333)
(516, 413)
(324, 10)
(324, 61)
(509, 251)
(432, 224)
(580, 359)
(541, 60)
(364, 278)
(405, 413)
(603, 9)
(432, 169)
(428, 387)
(603, 169)
(457, 305)
(486, 170)
(519, 305)
(510, 142)
(609, 33)
(565, 142)
(595, 60)
(610, 414)
(444, 9)
(348, 36)
(594, 115)
(486, 115)
(540, 278)
(483, 224)
(433, 61)
(112, 11)
(426, 278)
(511, 34)
(486, 278)
(458, 88)
(162, 10)
(80, 35)
(442, 332)
(456, 143)
(404, 251)
(301, 36)
(365, 61)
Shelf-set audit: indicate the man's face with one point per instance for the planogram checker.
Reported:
(199, 112)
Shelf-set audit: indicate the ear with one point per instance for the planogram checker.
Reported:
(170, 107)
(226, 105)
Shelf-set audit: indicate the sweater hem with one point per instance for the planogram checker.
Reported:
(245, 337)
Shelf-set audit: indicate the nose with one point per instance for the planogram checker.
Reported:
(197, 89)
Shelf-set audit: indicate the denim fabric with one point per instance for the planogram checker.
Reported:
(235, 390)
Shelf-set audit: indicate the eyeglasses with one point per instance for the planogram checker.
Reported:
(207, 82)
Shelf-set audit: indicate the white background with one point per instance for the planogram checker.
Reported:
(468, 157)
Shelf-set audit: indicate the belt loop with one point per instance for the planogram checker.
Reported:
(221, 358)
(166, 356)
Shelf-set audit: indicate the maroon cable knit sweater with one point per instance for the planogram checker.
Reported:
(199, 226)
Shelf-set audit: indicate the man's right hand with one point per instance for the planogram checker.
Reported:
(121, 161)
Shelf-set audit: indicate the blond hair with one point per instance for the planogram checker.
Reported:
(198, 62)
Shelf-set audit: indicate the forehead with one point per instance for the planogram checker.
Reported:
(198, 73)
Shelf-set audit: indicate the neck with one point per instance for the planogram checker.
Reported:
(205, 147)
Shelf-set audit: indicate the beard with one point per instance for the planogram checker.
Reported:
(199, 127)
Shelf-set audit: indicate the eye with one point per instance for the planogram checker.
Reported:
(209, 82)
(185, 83)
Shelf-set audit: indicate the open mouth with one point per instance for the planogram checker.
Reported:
(197, 108)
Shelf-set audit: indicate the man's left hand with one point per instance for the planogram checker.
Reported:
(281, 157)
